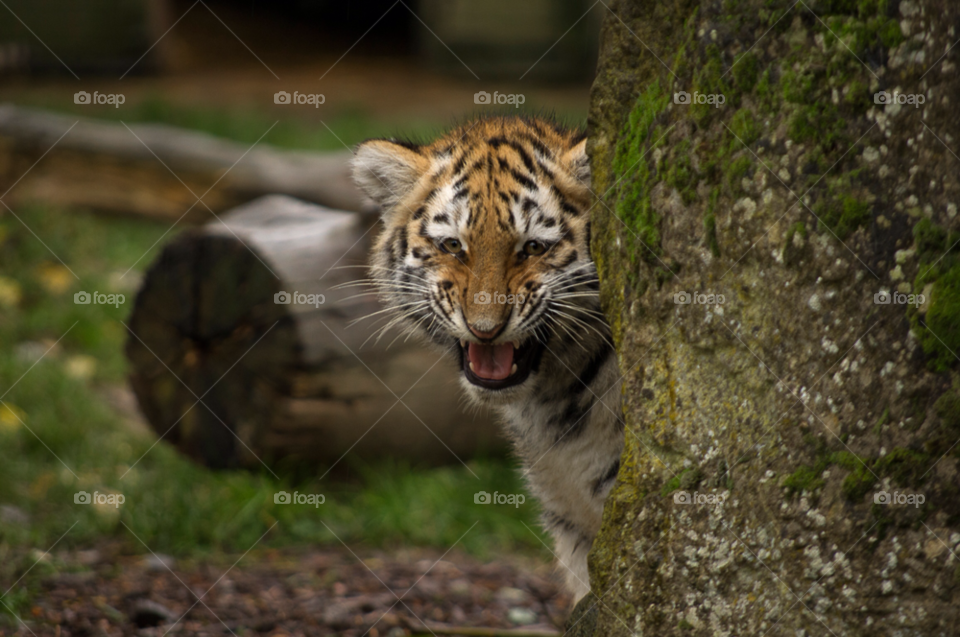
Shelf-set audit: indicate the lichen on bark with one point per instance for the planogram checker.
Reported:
(785, 412)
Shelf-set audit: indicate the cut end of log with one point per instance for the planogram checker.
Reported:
(240, 353)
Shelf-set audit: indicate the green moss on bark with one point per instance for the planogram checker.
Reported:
(687, 479)
(905, 467)
(679, 171)
(632, 162)
(798, 100)
(941, 338)
(939, 328)
(746, 71)
(843, 216)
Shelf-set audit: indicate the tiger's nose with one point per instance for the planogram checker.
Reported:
(486, 334)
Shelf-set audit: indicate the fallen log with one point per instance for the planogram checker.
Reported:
(156, 171)
(245, 317)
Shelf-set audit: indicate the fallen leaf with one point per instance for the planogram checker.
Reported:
(81, 366)
(9, 292)
(11, 417)
(54, 277)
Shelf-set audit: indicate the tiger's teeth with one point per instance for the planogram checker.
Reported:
(471, 366)
(513, 370)
(516, 345)
(463, 342)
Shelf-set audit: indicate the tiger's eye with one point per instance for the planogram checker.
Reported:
(534, 248)
(451, 246)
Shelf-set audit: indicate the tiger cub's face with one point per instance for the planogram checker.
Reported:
(486, 244)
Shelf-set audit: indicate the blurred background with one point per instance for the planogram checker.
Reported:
(114, 192)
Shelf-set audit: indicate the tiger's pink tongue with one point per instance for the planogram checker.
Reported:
(491, 362)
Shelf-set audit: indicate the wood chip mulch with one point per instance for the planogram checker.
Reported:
(324, 592)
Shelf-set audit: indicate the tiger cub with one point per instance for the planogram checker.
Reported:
(485, 252)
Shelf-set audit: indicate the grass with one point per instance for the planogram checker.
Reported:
(60, 435)
(344, 127)
(340, 128)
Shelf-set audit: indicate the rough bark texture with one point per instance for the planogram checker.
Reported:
(785, 412)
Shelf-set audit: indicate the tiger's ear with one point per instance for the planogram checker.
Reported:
(577, 162)
(386, 170)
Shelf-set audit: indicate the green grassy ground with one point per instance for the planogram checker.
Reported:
(340, 128)
(60, 435)
(343, 127)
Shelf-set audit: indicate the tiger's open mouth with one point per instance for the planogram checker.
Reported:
(498, 366)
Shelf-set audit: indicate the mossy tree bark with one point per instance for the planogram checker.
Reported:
(763, 431)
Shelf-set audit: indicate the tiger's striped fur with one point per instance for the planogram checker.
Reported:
(500, 206)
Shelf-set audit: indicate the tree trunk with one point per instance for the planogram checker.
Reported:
(791, 449)
(245, 315)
